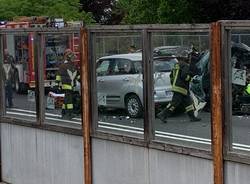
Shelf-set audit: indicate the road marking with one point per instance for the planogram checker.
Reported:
(21, 114)
(168, 135)
(183, 136)
(241, 145)
(78, 119)
(63, 120)
(120, 129)
(241, 148)
(22, 110)
(158, 133)
(49, 114)
(184, 139)
(130, 129)
(49, 118)
(34, 112)
(122, 126)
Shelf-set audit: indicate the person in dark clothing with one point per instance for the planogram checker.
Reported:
(194, 57)
(66, 79)
(8, 73)
(180, 77)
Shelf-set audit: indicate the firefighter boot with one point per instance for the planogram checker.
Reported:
(163, 115)
(192, 117)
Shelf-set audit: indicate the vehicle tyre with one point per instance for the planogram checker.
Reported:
(133, 106)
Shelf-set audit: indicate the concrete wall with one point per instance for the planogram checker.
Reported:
(115, 163)
(236, 173)
(34, 156)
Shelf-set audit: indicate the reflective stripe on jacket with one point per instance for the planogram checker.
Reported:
(67, 75)
(247, 90)
(180, 78)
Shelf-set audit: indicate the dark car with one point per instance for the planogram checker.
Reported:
(175, 51)
(240, 63)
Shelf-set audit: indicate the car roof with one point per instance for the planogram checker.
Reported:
(130, 56)
(167, 47)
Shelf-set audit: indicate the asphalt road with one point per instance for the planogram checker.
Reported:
(178, 129)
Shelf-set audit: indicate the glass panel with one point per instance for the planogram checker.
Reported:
(119, 83)
(62, 79)
(182, 88)
(19, 75)
(240, 72)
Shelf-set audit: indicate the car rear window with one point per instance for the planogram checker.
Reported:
(164, 65)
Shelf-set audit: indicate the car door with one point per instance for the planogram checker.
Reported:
(122, 81)
(162, 86)
(109, 83)
(104, 72)
(119, 83)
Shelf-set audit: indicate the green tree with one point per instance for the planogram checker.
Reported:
(139, 11)
(67, 9)
(174, 11)
(157, 11)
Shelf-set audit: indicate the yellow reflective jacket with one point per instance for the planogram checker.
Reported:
(180, 78)
(247, 90)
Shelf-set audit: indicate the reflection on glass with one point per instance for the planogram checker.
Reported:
(182, 88)
(62, 79)
(240, 64)
(119, 83)
(19, 75)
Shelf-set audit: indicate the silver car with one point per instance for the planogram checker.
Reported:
(119, 82)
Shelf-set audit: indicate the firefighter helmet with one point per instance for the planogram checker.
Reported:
(69, 55)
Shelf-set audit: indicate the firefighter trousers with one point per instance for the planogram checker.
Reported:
(8, 94)
(180, 99)
(67, 107)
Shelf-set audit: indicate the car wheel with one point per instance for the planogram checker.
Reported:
(133, 106)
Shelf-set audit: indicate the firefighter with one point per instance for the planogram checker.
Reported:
(247, 88)
(180, 78)
(132, 49)
(66, 78)
(8, 73)
(194, 57)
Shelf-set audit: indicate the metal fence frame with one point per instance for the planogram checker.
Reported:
(221, 97)
(146, 31)
(40, 121)
(226, 28)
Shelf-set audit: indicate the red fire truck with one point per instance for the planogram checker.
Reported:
(21, 47)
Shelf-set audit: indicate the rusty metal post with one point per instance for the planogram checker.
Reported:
(86, 118)
(38, 53)
(216, 105)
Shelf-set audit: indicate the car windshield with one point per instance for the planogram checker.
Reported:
(164, 65)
